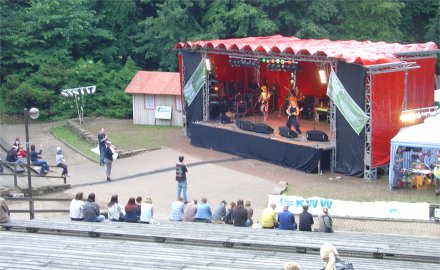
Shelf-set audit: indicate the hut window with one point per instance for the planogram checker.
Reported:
(149, 102)
(178, 103)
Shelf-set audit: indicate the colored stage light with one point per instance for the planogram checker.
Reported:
(282, 62)
(263, 60)
(272, 61)
(278, 61)
(207, 64)
(322, 76)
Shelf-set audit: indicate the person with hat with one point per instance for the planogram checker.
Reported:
(108, 159)
(60, 161)
(264, 101)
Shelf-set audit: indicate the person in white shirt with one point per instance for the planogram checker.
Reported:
(114, 209)
(147, 211)
(76, 207)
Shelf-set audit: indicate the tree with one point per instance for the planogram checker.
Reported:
(417, 16)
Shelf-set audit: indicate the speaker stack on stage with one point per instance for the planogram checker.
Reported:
(287, 132)
(316, 135)
(263, 128)
(247, 125)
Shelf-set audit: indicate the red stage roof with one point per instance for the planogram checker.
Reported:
(155, 83)
(351, 51)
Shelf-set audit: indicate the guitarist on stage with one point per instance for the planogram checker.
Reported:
(264, 101)
(293, 112)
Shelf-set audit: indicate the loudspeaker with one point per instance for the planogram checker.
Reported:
(263, 128)
(316, 135)
(238, 122)
(287, 132)
(246, 125)
(225, 120)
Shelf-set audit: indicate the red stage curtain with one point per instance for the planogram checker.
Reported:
(421, 84)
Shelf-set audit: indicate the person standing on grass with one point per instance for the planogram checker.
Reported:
(181, 171)
(108, 159)
(102, 138)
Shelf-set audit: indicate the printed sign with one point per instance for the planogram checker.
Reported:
(163, 112)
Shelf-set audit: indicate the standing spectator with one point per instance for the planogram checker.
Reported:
(305, 220)
(325, 221)
(331, 259)
(4, 211)
(114, 209)
(189, 211)
(35, 158)
(286, 219)
(203, 213)
(91, 210)
(132, 211)
(229, 217)
(219, 213)
(397, 165)
(240, 215)
(60, 161)
(102, 138)
(181, 171)
(108, 159)
(147, 211)
(77, 207)
(291, 266)
(269, 217)
(250, 211)
(176, 213)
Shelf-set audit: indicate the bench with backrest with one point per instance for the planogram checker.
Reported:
(348, 243)
(49, 251)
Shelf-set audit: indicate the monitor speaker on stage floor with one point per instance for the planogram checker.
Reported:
(247, 125)
(224, 119)
(263, 128)
(316, 135)
(287, 132)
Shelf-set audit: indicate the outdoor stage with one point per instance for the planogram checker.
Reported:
(297, 153)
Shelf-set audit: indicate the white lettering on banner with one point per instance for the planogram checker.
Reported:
(419, 211)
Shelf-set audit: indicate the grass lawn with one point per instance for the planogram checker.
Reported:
(68, 137)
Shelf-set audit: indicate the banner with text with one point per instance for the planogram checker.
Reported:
(398, 210)
(195, 83)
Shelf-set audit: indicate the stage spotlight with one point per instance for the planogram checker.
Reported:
(263, 60)
(207, 64)
(322, 76)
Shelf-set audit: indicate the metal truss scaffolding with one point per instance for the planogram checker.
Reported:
(370, 173)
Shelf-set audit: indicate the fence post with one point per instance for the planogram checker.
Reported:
(15, 175)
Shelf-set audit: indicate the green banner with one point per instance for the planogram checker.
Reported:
(195, 83)
(354, 115)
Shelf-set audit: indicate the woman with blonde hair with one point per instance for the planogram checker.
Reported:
(147, 211)
(330, 256)
(291, 266)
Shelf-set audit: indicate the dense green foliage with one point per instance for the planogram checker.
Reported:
(50, 45)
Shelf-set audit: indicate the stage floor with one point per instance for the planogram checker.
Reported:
(276, 120)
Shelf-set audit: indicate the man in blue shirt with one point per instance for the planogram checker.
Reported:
(176, 213)
(286, 219)
(203, 213)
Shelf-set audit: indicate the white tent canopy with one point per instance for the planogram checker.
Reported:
(425, 135)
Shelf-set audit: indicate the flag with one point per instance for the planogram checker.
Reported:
(354, 115)
(195, 83)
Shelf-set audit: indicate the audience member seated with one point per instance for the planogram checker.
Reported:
(331, 259)
(203, 213)
(291, 266)
(250, 211)
(21, 154)
(325, 222)
(229, 217)
(4, 211)
(305, 220)
(147, 211)
(61, 162)
(219, 213)
(17, 142)
(240, 215)
(76, 207)
(12, 156)
(35, 158)
(176, 213)
(91, 210)
(114, 210)
(269, 217)
(189, 211)
(132, 211)
(286, 219)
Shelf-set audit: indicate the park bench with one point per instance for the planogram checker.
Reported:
(57, 251)
(402, 248)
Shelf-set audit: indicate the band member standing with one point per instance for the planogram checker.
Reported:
(293, 112)
(264, 100)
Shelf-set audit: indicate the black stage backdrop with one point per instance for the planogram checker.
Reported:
(249, 146)
(349, 146)
(195, 111)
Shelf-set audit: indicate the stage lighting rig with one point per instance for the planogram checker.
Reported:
(243, 62)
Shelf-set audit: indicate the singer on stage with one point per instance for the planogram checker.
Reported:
(264, 101)
(293, 112)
